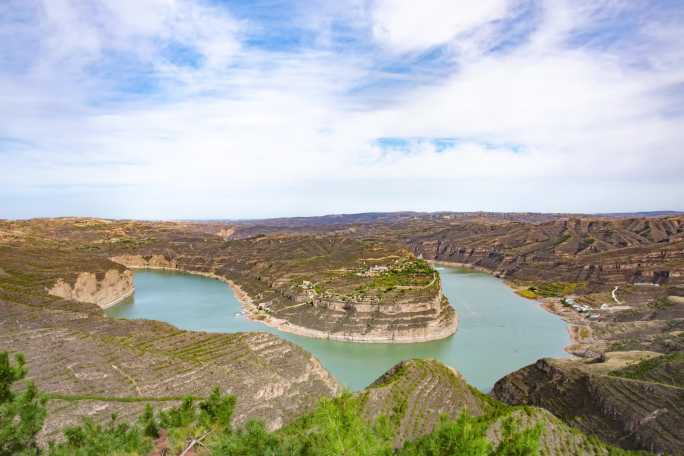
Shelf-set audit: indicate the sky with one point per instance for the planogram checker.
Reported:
(168, 109)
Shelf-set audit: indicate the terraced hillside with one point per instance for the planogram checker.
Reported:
(94, 366)
(416, 393)
(577, 250)
(634, 407)
(323, 286)
(597, 249)
(56, 275)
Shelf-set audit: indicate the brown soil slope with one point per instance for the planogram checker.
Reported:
(636, 413)
(416, 393)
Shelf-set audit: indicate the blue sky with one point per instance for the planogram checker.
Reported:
(236, 109)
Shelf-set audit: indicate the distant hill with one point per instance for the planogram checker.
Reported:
(402, 216)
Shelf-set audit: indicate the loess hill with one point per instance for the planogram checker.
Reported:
(617, 280)
(55, 275)
(550, 257)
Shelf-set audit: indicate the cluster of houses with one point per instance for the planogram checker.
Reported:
(264, 307)
(582, 308)
(373, 271)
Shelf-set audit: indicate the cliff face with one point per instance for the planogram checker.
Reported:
(349, 321)
(112, 288)
(631, 413)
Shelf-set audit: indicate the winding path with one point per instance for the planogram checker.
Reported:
(615, 296)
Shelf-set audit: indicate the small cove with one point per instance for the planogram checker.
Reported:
(498, 332)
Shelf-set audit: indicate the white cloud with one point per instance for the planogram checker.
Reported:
(405, 25)
(257, 132)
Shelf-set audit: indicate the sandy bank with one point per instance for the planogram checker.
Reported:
(117, 300)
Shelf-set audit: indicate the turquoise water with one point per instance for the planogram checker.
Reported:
(498, 331)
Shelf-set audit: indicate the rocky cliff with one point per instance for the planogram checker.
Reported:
(631, 413)
(408, 322)
(110, 289)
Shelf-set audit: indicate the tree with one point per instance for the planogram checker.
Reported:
(468, 435)
(21, 414)
(149, 423)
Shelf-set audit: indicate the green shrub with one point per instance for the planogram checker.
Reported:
(91, 439)
(149, 423)
(468, 435)
(252, 440)
(21, 415)
(217, 409)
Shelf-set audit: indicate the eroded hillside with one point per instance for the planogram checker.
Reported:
(618, 282)
(638, 406)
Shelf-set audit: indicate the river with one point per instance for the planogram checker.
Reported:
(498, 331)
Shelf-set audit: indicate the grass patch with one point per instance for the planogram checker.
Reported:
(551, 289)
(527, 293)
(662, 303)
(662, 369)
(408, 273)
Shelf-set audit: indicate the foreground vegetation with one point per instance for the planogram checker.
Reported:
(337, 426)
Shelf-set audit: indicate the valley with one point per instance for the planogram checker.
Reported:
(355, 280)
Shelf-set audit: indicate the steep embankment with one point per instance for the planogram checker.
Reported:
(111, 289)
(638, 413)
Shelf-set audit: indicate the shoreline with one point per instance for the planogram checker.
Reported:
(287, 327)
(572, 327)
(252, 313)
(117, 300)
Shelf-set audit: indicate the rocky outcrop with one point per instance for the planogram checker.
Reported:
(627, 412)
(373, 324)
(107, 291)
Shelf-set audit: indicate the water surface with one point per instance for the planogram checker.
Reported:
(498, 331)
